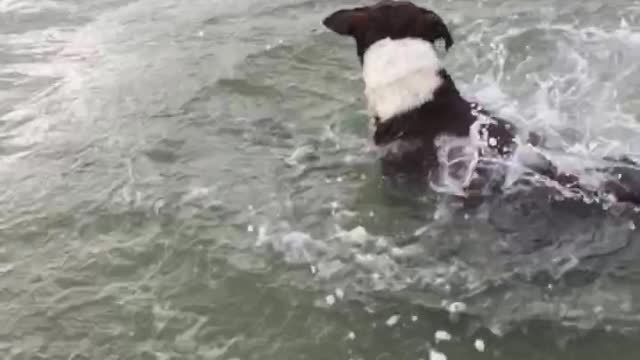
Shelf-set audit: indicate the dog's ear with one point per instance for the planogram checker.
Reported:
(436, 28)
(347, 22)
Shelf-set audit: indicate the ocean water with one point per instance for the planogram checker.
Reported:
(195, 180)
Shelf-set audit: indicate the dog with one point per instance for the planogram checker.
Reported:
(429, 129)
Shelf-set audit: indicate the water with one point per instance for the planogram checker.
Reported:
(194, 180)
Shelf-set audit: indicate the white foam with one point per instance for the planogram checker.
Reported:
(357, 235)
(458, 157)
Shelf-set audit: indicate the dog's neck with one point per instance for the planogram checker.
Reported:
(400, 75)
(410, 94)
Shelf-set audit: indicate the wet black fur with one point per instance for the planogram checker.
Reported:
(448, 112)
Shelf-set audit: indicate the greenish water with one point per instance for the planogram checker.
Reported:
(194, 180)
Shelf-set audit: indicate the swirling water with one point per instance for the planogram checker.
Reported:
(194, 180)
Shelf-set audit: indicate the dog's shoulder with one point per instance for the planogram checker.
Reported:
(494, 133)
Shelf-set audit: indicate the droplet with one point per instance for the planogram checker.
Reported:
(6, 268)
(330, 299)
(435, 355)
(442, 335)
(624, 24)
(262, 233)
(393, 320)
(457, 307)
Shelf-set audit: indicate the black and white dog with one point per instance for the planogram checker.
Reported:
(418, 112)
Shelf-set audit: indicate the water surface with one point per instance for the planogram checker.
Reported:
(195, 180)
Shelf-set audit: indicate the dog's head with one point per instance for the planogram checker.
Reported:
(388, 19)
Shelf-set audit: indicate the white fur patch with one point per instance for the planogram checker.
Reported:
(399, 75)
